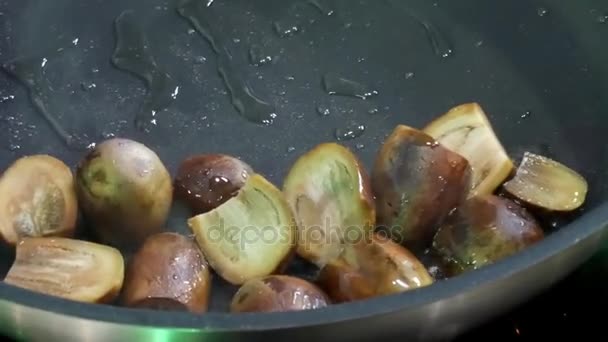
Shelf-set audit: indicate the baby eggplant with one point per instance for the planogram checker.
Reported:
(417, 182)
(370, 269)
(484, 230)
(66, 268)
(330, 195)
(37, 199)
(205, 182)
(466, 130)
(169, 272)
(278, 293)
(548, 184)
(249, 236)
(125, 191)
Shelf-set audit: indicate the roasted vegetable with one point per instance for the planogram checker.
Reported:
(66, 268)
(205, 182)
(37, 199)
(125, 192)
(374, 268)
(168, 272)
(547, 184)
(417, 182)
(249, 236)
(467, 131)
(484, 230)
(278, 293)
(330, 195)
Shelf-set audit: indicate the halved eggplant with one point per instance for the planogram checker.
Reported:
(125, 192)
(206, 181)
(484, 230)
(374, 268)
(249, 236)
(466, 130)
(278, 293)
(67, 268)
(168, 272)
(417, 182)
(330, 195)
(548, 184)
(37, 199)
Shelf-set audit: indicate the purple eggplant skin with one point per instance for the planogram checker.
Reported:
(206, 181)
(417, 182)
(485, 230)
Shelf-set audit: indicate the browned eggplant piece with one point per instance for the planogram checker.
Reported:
(466, 130)
(125, 192)
(249, 236)
(417, 182)
(371, 269)
(278, 293)
(548, 184)
(205, 182)
(37, 199)
(330, 195)
(484, 230)
(71, 269)
(168, 272)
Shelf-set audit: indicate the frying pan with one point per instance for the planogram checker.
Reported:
(538, 68)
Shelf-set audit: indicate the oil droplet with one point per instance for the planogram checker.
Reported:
(335, 84)
(131, 54)
(351, 131)
(322, 7)
(243, 98)
(257, 56)
(409, 75)
(440, 44)
(323, 110)
(285, 30)
(30, 72)
(299, 16)
(86, 86)
(175, 92)
(6, 98)
(542, 11)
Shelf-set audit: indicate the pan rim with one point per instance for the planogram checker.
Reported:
(590, 223)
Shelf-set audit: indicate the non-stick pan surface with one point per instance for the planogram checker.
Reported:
(537, 67)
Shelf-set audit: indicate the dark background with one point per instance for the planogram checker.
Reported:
(575, 307)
